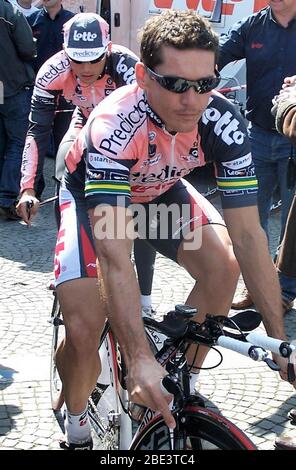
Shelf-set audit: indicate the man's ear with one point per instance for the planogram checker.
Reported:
(141, 75)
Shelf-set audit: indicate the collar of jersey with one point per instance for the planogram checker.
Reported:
(153, 116)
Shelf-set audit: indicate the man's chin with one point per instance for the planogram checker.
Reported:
(183, 128)
(183, 125)
(88, 80)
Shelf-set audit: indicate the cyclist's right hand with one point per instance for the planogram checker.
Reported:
(27, 206)
(144, 385)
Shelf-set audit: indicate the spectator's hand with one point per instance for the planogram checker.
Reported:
(27, 206)
(289, 81)
(283, 363)
(144, 386)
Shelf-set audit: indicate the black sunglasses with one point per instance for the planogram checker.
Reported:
(95, 61)
(180, 85)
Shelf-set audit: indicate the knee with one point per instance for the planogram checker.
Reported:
(82, 337)
(222, 269)
(229, 267)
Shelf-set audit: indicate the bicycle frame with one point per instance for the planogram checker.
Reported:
(197, 426)
(150, 432)
(113, 365)
(111, 385)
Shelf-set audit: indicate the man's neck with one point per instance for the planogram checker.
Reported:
(284, 18)
(53, 11)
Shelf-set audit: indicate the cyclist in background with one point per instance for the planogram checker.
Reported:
(128, 161)
(84, 84)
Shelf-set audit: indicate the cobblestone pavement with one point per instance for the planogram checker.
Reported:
(249, 394)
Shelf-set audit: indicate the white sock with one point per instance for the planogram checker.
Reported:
(77, 427)
(146, 300)
(193, 381)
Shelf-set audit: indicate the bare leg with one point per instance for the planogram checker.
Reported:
(77, 358)
(216, 271)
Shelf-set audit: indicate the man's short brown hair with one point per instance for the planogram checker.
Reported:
(179, 29)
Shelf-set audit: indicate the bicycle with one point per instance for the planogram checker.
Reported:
(118, 424)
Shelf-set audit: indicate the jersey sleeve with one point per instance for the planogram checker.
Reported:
(43, 107)
(121, 65)
(107, 172)
(225, 142)
(40, 124)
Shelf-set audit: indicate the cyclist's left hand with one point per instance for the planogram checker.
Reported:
(144, 386)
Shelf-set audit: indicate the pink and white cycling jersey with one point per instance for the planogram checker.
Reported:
(129, 153)
(56, 78)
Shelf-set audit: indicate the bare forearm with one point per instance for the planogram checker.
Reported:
(262, 281)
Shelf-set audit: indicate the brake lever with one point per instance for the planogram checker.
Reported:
(29, 205)
(291, 372)
(272, 365)
(171, 385)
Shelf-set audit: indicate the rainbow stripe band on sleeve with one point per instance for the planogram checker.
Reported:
(234, 184)
(121, 188)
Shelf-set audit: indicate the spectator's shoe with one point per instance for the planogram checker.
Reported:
(285, 443)
(244, 301)
(88, 445)
(292, 415)
(9, 213)
(12, 214)
(3, 211)
(148, 312)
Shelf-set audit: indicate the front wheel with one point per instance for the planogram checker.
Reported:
(197, 429)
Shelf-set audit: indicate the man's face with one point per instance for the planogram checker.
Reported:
(87, 72)
(283, 6)
(51, 3)
(180, 112)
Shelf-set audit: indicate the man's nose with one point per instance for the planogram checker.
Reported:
(86, 66)
(189, 96)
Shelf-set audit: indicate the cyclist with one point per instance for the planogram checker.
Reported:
(82, 83)
(134, 150)
(88, 69)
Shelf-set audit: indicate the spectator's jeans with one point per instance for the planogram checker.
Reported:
(288, 287)
(286, 260)
(270, 153)
(14, 114)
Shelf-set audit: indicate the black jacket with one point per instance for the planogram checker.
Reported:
(48, 33)
(17, 49)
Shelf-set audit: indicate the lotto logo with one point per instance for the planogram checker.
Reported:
(85, 36)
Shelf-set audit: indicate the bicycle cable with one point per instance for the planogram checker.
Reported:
(244, 335)
(192, 368)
